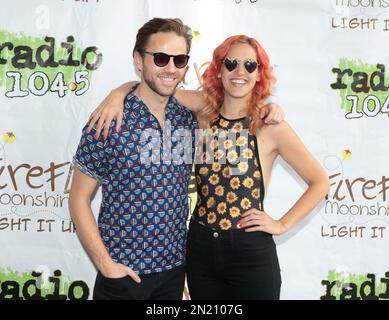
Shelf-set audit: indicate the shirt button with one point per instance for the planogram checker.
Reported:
(215, 234)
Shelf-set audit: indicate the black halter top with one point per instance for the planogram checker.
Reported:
(228, 174)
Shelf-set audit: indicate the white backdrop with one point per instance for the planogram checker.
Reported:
(329, 57)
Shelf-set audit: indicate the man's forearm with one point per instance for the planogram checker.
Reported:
(88, 232)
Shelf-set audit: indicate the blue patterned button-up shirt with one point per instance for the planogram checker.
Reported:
(145, 171)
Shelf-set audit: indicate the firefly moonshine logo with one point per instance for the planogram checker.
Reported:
(363, 88)
(38, 66)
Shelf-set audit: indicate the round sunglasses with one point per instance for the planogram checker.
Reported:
(249, 64)
(162, 59)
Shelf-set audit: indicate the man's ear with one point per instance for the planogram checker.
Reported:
(138, 61)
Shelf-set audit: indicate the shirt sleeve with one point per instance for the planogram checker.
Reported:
(91, 157)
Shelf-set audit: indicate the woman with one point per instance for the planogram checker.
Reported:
(231, 253)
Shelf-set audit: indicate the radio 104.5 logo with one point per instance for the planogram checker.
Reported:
(363, 88)
(38, 66)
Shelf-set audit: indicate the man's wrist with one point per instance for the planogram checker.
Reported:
(104, 263)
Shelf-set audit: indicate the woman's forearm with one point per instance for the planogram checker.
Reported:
(125, 87)
(305, 204)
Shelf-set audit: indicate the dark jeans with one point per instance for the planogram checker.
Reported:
(166, 285)
(231, 265)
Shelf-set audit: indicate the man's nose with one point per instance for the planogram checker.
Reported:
(170, 66)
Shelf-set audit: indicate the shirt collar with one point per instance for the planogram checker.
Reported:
(134, 104)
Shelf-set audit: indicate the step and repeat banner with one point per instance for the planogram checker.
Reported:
(60, 58)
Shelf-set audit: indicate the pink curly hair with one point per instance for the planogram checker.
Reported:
(214, 91)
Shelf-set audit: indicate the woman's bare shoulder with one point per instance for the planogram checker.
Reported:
(274, 131)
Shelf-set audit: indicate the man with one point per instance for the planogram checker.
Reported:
(144, 208)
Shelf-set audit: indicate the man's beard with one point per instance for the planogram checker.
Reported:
(153, 86)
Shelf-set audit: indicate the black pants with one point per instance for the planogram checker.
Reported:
(166, 285)
(231, 265)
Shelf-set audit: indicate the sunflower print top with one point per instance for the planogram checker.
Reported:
(228, 174)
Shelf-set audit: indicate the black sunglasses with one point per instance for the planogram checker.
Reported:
(162, 59)
(249, 64)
